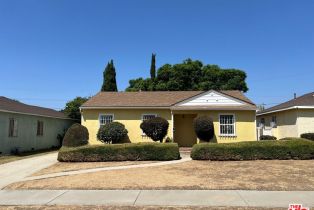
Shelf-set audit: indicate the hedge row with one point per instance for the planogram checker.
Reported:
(120, 152)
(258, 150)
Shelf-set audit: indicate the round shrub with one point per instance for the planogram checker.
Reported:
(113, 133)
(155, 128)
(204, 128)
(309, 136)
(77, 135)
(267, 137)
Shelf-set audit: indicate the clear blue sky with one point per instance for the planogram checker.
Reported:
(53, 50)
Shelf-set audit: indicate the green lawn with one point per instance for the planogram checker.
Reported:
(9, 158)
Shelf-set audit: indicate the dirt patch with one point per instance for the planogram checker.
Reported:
(63, 167)
(242, 175)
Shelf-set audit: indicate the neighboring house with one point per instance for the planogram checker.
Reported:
(25, 128)
(289, 119)
(233, 114)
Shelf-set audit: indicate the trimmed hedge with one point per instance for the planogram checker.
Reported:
(77, 135)
(267, 137)
(204, 128)
(156, 128)
(120, 152)
(257, 150)
(112, 133)
(309, 136)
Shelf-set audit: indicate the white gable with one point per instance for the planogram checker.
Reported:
(211, 98)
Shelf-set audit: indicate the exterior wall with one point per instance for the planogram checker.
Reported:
(305, 121)
(27, 138)
(131, 118)
(244, 124)
(286, 123)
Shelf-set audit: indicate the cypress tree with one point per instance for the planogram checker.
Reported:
(110, 83)
(153, 67)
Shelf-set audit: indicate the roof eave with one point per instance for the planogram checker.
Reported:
(284, 109)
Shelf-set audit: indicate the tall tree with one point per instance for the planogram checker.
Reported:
(191, 75)
(153, 67)
(72, 108)
(110, 83)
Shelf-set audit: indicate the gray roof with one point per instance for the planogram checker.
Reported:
(9, 105)
(304, 100)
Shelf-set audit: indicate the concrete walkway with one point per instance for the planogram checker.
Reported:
(240, 198)
(91, 170)
(18, 170)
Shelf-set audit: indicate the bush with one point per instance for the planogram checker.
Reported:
(204, 128)
(309, 136)
(155, 128)
(113, 132)
(267, 137)
(257, 150)
(120, 152)
(76, 135)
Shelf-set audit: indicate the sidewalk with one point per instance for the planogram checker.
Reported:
(240, 198)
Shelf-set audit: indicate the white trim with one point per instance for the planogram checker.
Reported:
(105, 114)
(63, 118)
(234, 125)
(126, 107)
(212, 91)
(289, 108)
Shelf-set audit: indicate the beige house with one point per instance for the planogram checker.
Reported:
(233, 114)
(289, 119)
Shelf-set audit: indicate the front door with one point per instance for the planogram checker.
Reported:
(184, 133)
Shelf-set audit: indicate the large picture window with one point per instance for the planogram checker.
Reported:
(12, 127)
(105, 119)
(227, 125)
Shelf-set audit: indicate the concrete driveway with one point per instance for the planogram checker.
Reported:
(17, 170)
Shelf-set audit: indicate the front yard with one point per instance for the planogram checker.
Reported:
(247, 175)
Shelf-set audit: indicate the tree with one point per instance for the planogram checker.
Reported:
(72, 108)
(153, 67)
(191, 75)
(204, 128)
(156, 128)
(110, 83)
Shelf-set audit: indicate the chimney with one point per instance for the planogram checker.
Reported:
(295, 96)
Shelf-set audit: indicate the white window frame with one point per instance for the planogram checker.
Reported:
(104, 114)
(40, 128)
(142, 118)
(234, 134)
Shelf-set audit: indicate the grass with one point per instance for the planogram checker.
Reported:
(9, 158)
(201, 175)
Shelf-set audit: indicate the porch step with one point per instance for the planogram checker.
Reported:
(185, 149)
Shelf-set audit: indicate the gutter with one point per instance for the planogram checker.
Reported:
(285, 109)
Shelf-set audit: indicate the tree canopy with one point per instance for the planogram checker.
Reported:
(110, 83)
(153, 67)
(191, 75)
(72, 108)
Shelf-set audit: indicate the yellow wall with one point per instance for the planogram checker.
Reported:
(245, 124)
(132, 118)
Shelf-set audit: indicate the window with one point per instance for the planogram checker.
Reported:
(273, 121)
(227, 125)
(148, 116)
(40, 128)
(105, 119)
(12, 127)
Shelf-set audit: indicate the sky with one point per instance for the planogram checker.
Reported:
(54, 50)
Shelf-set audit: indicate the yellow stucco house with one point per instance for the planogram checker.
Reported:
(233, 114)
(288, 119)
